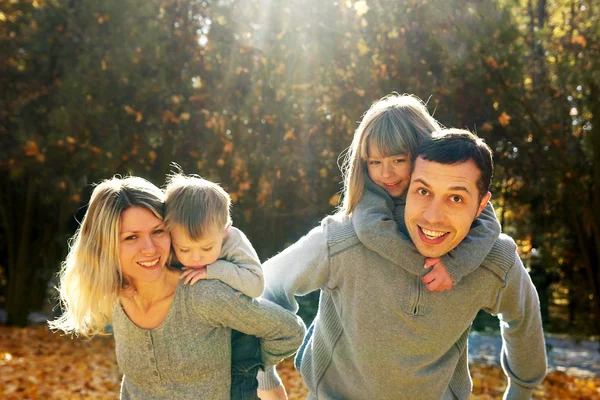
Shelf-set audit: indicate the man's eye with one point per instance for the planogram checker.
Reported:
(423, 192)
(456, 199)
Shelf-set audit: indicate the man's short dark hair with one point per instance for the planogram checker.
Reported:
(456, 146)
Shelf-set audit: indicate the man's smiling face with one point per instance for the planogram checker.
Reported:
(442, 202)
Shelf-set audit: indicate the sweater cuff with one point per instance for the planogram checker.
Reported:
(268, 379)
(516, 392)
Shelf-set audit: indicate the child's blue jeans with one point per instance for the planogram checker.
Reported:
(245, 363)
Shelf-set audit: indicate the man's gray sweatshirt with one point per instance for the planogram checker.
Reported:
(379, 334)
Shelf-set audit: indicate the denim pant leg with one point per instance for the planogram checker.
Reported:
(245, 363)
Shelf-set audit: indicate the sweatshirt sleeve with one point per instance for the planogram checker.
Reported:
(523, 354)
(298, 270)
(238, 265)
(280, 332)
(379, 231)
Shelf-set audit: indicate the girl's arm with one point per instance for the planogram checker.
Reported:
(238, 265)
(379, 225)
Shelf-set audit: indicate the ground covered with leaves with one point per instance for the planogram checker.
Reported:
(38, 364)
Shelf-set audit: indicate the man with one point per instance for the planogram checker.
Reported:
(378, 334)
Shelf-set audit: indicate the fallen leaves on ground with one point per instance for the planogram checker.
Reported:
(39, 364)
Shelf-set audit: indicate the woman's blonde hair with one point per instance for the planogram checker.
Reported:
(90, 278)
(195, 204)
(396, 124)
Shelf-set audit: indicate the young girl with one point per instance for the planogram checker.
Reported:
(172, 340)
(375, 333)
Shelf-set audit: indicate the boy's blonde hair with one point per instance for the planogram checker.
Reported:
(396, 124)
(90, 278)
(195, 204)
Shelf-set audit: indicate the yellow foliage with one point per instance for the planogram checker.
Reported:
(362, 46)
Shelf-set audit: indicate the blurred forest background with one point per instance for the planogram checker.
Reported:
(263, 95)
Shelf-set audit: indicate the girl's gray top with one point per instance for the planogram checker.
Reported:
(189, 355)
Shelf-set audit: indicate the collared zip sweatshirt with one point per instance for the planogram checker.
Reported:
(379, 334)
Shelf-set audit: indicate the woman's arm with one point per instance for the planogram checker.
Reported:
(280, 332)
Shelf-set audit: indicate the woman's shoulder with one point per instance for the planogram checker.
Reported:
(207, 291)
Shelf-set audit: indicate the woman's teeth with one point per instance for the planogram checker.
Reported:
(149, 263)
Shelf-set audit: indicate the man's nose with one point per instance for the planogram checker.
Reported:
(434, 213)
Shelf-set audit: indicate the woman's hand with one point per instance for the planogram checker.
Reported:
(278, 393)
(438, 279)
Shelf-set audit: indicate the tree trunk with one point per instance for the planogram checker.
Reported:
(17, 302)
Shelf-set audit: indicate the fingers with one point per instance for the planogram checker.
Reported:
(430, 262)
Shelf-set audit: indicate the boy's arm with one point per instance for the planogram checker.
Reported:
(378, 230)
(243, 271)
(298, 270)
(523, 355)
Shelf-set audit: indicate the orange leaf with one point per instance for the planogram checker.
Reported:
(504, 119)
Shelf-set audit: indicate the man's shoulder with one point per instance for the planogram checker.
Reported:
(502, 257)
(340, 232)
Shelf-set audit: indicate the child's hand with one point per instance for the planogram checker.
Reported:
(438, 279)
(193, 275)
(278, 393)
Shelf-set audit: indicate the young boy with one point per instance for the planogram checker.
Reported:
(208, 247)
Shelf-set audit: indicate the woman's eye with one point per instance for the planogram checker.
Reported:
(159, 231)
(132, 237)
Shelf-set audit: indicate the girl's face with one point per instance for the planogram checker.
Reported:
(391, 173)
(145, 245)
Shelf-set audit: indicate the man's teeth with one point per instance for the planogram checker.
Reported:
(149, 263)
(432, 234)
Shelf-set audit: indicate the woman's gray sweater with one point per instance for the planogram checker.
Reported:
(189, 355)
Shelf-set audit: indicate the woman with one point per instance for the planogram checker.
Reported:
(172, 340)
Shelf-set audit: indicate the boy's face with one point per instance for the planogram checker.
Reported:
(442, 202)
(391, 173)
(197, 253)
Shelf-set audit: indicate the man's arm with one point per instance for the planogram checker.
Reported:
(298, 270)
(523, 355)
(239, 266)
(375, 226)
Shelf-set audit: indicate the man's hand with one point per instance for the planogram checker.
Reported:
(278, 393)
(438, 279)
(193, 275)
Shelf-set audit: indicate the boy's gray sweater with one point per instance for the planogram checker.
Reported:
(379, 334)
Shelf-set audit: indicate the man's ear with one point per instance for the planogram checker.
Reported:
(483, 203)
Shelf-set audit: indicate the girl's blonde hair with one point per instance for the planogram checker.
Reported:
(396, 124)
(90, 278)
(195, 204)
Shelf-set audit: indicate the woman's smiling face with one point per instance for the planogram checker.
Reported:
(144, 245)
